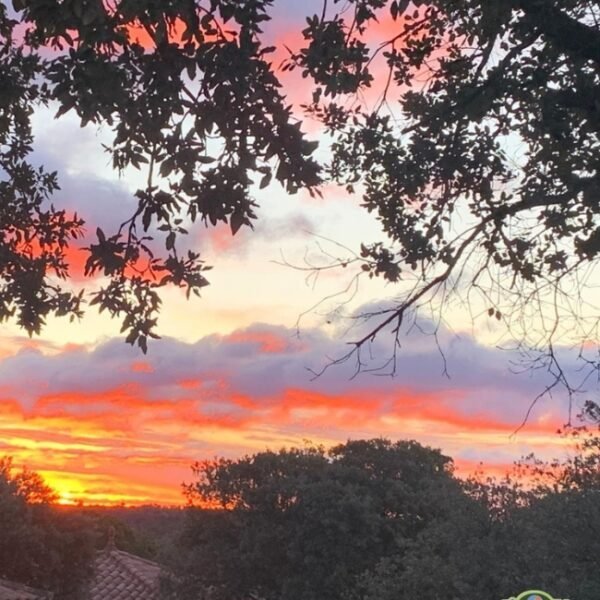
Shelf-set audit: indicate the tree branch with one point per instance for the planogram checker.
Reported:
(566, 33)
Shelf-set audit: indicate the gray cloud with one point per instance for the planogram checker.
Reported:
(263, 362)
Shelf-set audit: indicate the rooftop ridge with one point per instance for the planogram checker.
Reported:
(140, 559)
(132, 571)
(139, 576)
(121, 575)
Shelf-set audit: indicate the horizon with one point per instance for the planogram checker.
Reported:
(233, 372)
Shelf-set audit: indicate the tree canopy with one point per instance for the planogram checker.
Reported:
(376, 520)
(52, 547)
(191, 81)
(303, 523)
(40, 545)
(480, 156)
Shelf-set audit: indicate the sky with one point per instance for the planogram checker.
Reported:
(233, 372)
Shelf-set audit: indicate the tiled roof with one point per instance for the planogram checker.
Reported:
(15, 591)
(122, 576)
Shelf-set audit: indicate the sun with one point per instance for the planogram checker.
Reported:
(68, 489)
(66, 499)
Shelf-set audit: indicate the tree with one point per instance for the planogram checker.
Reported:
(484, 174)
(197, 105)
(304, 524)
(375, 520)
(480, 158)
(39, 545)
(549, 520)
(535, 528)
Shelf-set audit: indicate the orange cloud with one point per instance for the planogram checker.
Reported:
(76, 259)
(74, 256)
(442, 414)
(138, 34)
(120, 447)
(266, 341)
(141, 366)
(190, 384)
(220, 238)
(133, 440)
(465, 468)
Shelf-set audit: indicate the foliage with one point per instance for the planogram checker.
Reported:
(197, 105)
(304, 523)
(473, 80)
(480, 157)
(33, 234)
(366, 520)
(372, 520)
(536, 528)
(146, 531)
(39, 544)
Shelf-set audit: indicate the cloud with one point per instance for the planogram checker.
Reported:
(218, 241)
(105, 414)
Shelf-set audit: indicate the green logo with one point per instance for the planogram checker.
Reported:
(534, 595)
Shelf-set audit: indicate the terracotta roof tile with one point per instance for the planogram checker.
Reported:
(122, 576)
(16, 591)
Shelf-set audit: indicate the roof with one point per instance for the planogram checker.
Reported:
(10, 590)
(122, 576)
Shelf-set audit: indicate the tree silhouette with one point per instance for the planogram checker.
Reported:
(41, 545)
(480, 157)
(376, 520)
(304, 523)
(202, 74)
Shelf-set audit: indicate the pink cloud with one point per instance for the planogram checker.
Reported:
(108, 415)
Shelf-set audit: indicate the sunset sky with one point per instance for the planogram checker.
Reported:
(232, 373)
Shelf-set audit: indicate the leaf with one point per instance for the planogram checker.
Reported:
(191, 70)
(265, 181)
(143, 343)
(402, 6)
(65, 107)
(170, 243)
(147, 219)
(237, 220)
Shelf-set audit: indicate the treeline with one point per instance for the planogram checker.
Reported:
(52, 547)
(41, 545)
(376, 520)
(365, 520)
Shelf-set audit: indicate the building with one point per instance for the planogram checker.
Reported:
(16, 591)
(119, 575)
